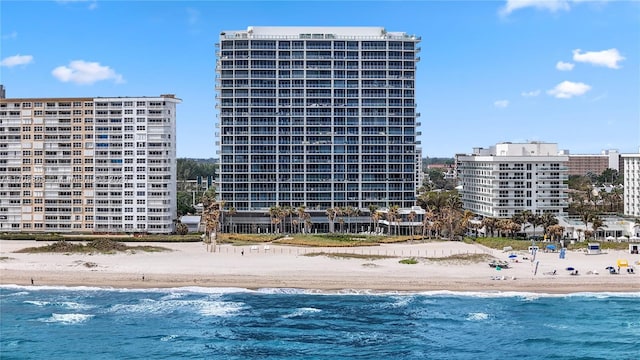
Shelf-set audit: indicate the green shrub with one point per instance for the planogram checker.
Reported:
(409, 261)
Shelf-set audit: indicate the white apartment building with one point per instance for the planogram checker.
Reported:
(88, 164)
(319, 117)
(631, 184)
(508, 178)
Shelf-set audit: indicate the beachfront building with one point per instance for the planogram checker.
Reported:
(105, 164)
(508, 178)
(316, 118)
(614, 228)
(631, 184)
(584, 164)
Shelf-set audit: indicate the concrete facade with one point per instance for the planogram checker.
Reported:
(509, 178)
(631, 184)
(88, 164)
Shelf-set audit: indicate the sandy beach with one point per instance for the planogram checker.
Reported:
(193, 264)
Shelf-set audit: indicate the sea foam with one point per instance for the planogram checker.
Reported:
(301, 312)
(477, 316)
(68, 319)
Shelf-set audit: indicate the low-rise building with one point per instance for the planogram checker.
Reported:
(631, 184)
(508, 178)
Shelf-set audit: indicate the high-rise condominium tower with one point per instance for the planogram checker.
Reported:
(319, 117)
(88, 164)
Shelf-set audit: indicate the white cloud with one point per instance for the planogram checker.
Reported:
(501, 103)
(83, 72)
(533, 93)
(16, 60)
(563, 66)
(11, 35)
(568, 89)
(551, 5)
(93, 3)
(193, 16)
(608, 58)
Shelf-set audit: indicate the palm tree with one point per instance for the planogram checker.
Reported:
(536, 220)
(331, 216)
(339, 214)
(503, 226)
(617, 199)
(465, 221)
(372, 210)
(307, 222)
(490, 224)
(586, 215)
(452, 212)
(221, 205)
(274, 215)
(392, 216)
(523, 218)
(211, 214)
(597, 223)
(356, 213)
(287, 211)
(231, 212)
(555, 232)
(375, 218)
(547, 219)
(410, 218)
(349, 211)
(301, 211)
(284, 212)
(429, 218)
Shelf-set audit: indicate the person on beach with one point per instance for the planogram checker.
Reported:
(242, 252)
(31, 281)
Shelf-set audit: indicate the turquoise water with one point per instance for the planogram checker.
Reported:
(202, 323)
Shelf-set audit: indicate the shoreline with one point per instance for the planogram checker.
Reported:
(170, 281)
(285, 267)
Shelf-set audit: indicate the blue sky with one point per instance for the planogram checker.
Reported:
(559, 71)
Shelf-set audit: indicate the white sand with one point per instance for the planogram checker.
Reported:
(190, 264)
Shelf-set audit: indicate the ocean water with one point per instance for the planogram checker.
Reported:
(204, 323)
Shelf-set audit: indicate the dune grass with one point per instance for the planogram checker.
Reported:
(410, 261)
(349, 256)
(101, 246)
(311, 240)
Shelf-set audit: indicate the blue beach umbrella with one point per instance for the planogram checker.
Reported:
(512, 256)
(551, 247)
(570, 268)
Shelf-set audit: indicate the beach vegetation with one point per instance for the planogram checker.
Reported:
(344, 255)
(243, 239)
(500, 242)
(27, 236)
(100, 246)
(181, 229)
(409, 261)
(459, 259)
(312, 240)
